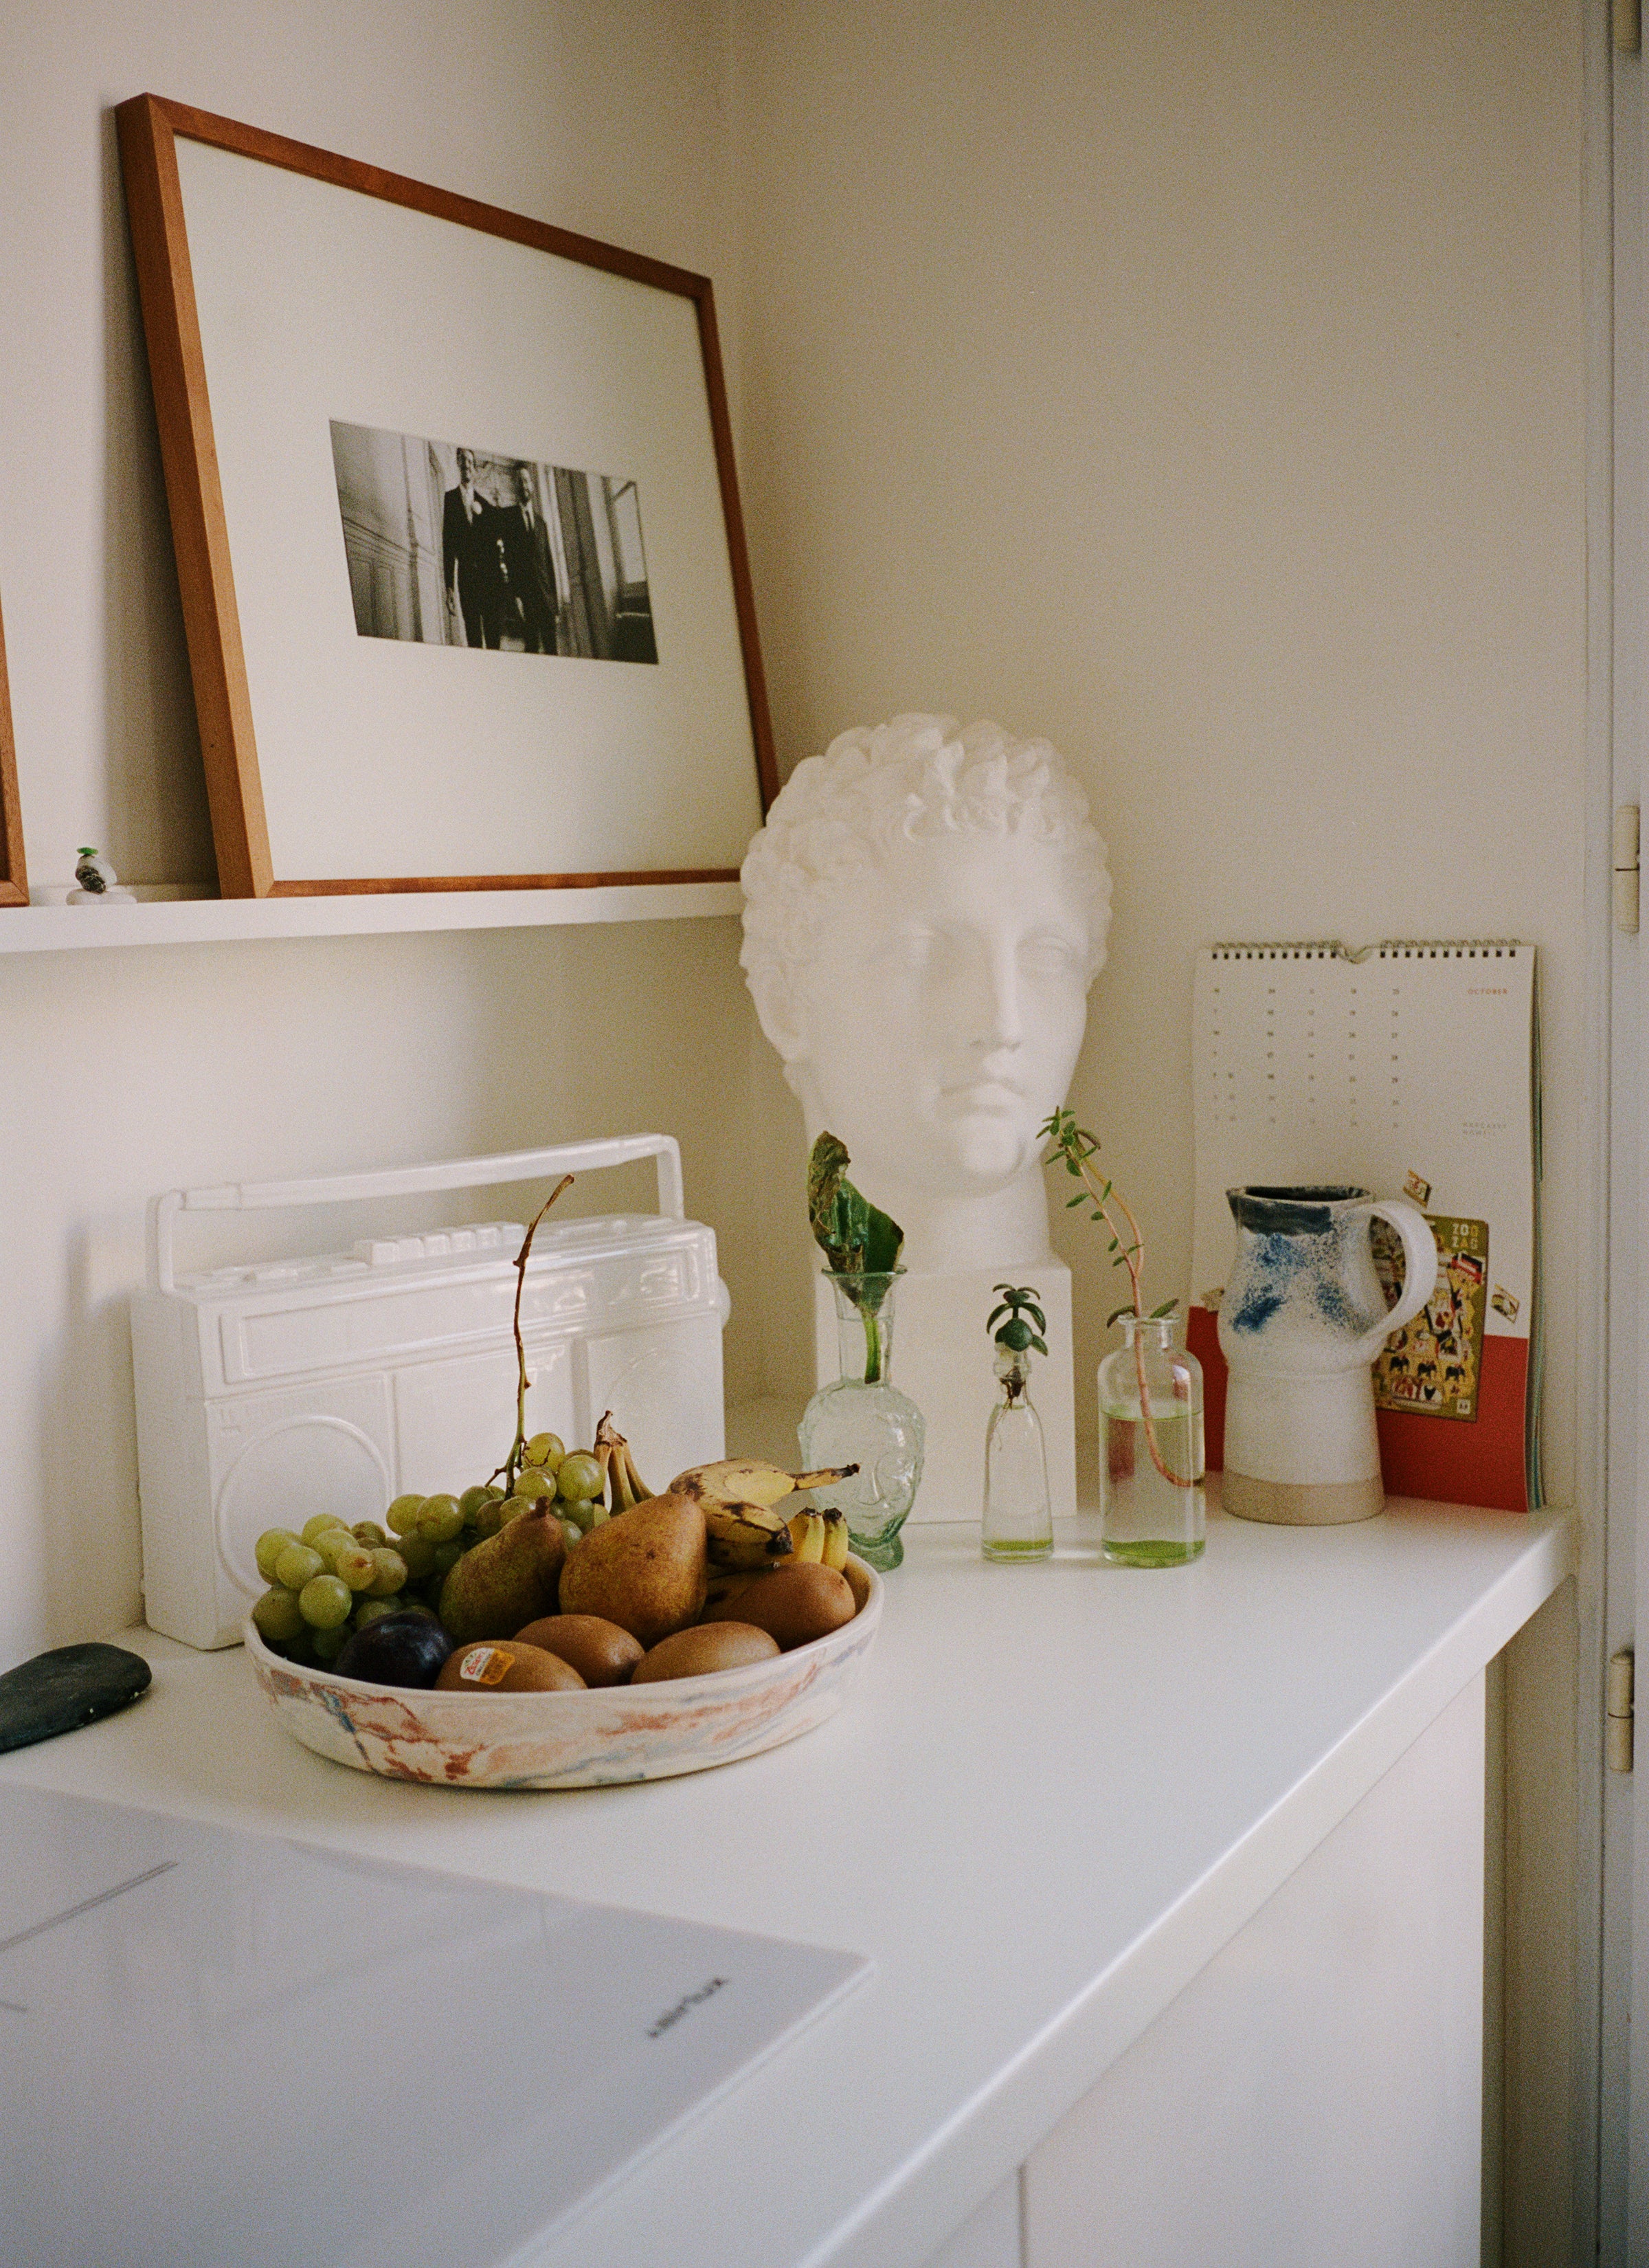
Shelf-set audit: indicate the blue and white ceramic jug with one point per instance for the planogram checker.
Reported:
(1301, 1321)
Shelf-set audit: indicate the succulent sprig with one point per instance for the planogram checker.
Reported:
(1019, 1301)
(1017, 1334)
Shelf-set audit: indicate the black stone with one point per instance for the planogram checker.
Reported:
(71, 1686)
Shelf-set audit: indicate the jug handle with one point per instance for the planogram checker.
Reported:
(1419, 1279)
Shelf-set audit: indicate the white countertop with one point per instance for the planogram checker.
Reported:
(1054, 1793)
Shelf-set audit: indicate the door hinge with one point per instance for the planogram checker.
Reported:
(1625, 864)
(1617, 1725)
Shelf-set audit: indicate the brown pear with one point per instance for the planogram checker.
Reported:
(506, 1582)
(643, 1569)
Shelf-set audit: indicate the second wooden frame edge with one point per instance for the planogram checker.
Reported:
(14, 881)
(200, 533)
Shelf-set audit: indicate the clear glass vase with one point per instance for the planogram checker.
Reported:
(1019, 1519)
(863, 1419)
(1150, 1449)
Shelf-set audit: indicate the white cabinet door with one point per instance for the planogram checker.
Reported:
(1315, 2095)
(988, 2238)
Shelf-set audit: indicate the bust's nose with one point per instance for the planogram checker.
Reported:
(999, 1008)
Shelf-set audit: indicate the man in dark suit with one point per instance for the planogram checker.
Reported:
(531, 565)
(469, 557)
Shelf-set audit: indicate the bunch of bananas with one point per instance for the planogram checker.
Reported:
(819, 1536)
(737, 1496)
(624, 1485)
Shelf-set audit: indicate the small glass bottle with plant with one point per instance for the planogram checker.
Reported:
(1149, 1390)
(1018, 1520)
(862, 1419)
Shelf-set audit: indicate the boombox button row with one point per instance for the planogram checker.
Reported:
(443, 1244)
(369, 1253)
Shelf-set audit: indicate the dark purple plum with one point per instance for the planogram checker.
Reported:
(405, 1649)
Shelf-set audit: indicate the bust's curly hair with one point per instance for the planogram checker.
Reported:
(879, 785)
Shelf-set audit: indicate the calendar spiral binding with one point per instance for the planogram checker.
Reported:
(1390, 948)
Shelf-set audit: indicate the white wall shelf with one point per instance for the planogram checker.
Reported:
(215, 921)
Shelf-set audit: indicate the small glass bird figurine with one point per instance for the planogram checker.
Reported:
(1019, 1520)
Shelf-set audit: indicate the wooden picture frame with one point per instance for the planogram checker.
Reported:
(338, 748)
(14, 881)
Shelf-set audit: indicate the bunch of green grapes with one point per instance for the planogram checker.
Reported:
(572, 1479)
(334, 1579)
(326, 1583)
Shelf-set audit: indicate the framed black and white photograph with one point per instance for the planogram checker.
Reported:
(455, 546)
(457, 533)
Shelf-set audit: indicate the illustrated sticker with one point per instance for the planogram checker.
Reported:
(1416, 1189)
(1505, 1303)
(484, 1665)
(1433, 1365)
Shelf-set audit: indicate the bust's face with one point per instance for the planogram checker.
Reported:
(941, 1018)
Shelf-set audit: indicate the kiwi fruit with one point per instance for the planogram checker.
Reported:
(505, 1666)
(600, 1651)
(794, 1605)
(695, 1653)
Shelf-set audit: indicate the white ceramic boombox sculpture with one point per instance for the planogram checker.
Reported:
(269, 1392)
(926, 909)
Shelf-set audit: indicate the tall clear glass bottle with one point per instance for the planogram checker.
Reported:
(1150, 1449)
(863, 1419)
(1019, 1519)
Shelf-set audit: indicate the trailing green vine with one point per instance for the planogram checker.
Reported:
(1078, 1148)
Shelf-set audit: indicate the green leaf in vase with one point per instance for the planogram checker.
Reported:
(854, 1236)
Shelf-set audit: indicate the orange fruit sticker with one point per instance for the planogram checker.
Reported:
(484, 1665)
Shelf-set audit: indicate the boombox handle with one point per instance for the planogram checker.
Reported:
(412, 1180)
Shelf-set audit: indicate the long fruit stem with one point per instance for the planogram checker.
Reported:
(511, 1464)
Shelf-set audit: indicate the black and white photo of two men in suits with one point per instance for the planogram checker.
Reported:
(448, 544)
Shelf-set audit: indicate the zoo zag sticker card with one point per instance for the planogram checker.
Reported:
(1410, 1070)
(1434, 1364)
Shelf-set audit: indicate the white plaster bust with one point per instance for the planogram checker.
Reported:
(924, 911)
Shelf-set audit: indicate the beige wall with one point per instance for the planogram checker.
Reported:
(1206, 389)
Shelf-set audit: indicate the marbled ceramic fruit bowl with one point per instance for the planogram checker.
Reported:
(596, 1738)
